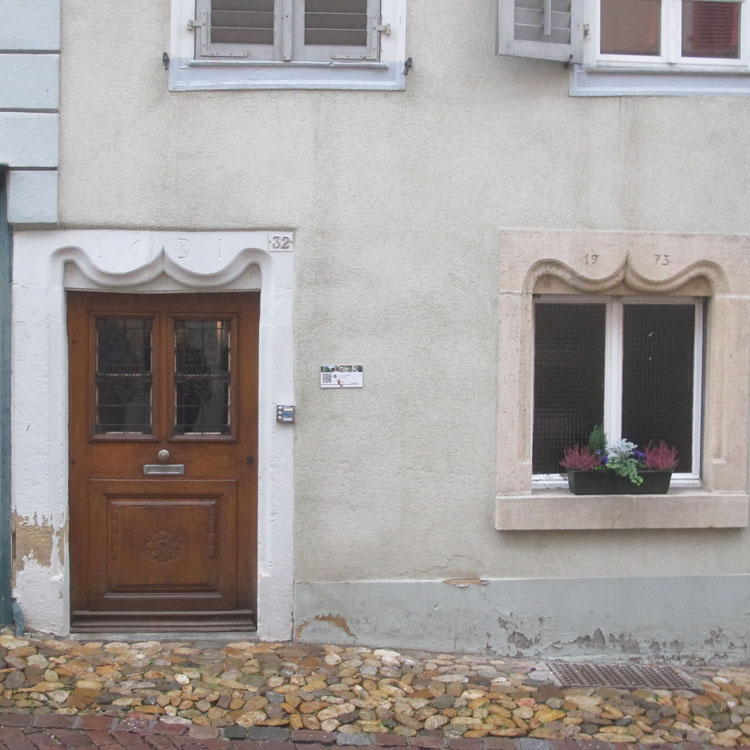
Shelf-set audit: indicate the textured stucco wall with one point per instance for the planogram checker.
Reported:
(398, 200)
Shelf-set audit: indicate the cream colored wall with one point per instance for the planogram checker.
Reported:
(398, 200)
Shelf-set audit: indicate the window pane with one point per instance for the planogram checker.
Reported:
(123, 376)
(710, 29)
(202, 377)
(568, 379)
(336, 22)
(657, 373)
(631, 27)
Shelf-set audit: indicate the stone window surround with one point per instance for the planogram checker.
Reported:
(626, 263)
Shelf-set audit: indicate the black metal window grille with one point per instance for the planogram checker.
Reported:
(654, 393)
(123, 376)
(202, 377)
(568, 379)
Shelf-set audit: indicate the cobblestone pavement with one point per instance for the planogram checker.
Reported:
(278, 696)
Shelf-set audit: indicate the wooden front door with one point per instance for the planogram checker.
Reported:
(163, 460)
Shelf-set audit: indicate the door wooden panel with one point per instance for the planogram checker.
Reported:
(163, 383)
(164, 543)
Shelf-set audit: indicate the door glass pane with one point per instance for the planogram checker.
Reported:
(202, 377)
(710, 29)
(123, 376)
(630, 27)
(568, 379)
(657, 374)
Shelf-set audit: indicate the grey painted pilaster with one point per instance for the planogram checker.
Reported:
(6, 256)
(29, 109)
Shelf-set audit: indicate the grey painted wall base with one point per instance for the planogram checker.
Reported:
(708, 617)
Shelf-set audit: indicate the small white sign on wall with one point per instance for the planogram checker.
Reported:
(341, 376)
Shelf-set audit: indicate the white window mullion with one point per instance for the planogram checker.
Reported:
(613, 371)
(285, 34)
(671, 30)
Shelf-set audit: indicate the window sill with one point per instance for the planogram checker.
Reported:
(552, 510)
(620, 81)
(208, 75)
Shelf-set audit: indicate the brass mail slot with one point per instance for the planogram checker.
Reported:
(163, 469)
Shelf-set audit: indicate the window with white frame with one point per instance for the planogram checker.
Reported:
(307, 30)
(672, 31)
(287, 44)
(631, 364)
(706, 42)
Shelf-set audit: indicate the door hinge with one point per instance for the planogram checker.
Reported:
(192, 24)
(383, 28)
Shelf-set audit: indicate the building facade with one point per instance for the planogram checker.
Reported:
(252, 191)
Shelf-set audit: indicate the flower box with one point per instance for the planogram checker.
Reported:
(609, 483)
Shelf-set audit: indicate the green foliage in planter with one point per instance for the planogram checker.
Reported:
(598, 440)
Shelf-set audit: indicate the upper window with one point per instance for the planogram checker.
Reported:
(633, 365)
(671, 31)
(287, 44)
(319, 30)
(626, 46)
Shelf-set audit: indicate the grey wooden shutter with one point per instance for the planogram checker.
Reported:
(345, 30)
(237, 28)
(544, 29)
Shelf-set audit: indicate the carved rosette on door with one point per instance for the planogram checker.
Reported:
(163, 405)
(165, 545)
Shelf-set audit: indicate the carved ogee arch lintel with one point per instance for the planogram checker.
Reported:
(626, 273)
(164, 266)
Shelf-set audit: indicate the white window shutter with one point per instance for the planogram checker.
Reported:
(340, 29)
(237, 28)
(543, 29)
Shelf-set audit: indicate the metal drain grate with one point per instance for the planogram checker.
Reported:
(618, 676)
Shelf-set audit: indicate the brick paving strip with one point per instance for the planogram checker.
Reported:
(290, 696)
(45, 732)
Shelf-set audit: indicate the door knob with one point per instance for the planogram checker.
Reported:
(163, 455)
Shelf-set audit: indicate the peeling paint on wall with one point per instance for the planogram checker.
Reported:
(462, 583)
(33, 541)
(336, 620)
